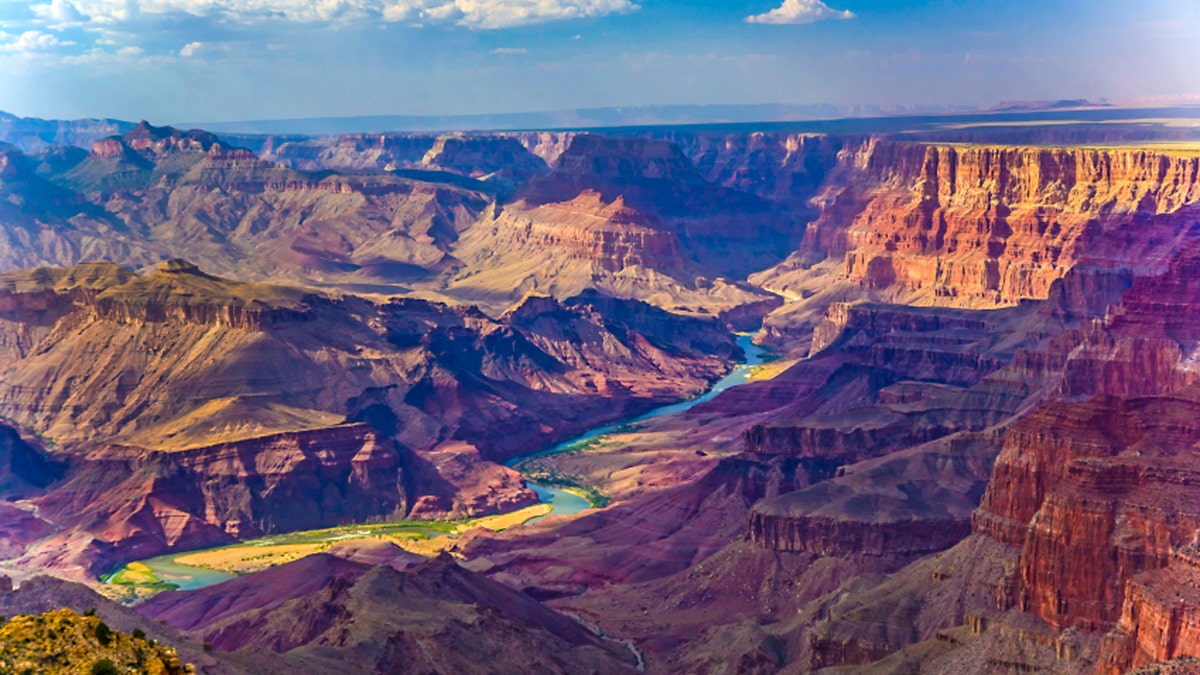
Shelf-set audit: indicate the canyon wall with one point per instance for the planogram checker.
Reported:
(979, 226)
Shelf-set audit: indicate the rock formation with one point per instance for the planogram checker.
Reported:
(193, 409)
(343, 615)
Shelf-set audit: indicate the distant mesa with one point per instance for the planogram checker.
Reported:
(180, 266)
(1033, 106)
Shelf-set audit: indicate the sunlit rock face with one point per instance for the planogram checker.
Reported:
(986, 226)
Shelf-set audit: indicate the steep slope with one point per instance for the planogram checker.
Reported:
(632, 217)
(44, 222)
(24, 467)
(981, 226)
(1081, 557)
(156, 193)
(856, 463)
(437, 617)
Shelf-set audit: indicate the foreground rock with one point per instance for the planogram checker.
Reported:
(61, 641)
(79, 610)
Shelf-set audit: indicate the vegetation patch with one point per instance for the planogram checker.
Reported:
(543, 474)
(139, 580)
(251, 558)
(62, 642)
(135, 580)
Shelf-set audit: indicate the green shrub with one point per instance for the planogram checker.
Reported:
(103, 634)
(105, 667)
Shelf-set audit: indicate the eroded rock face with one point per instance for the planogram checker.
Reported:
(156, 193)
(1088, 521)
(1099, 495)
(1160, 619)
(677, 218)
(141, 503)
(194, 409)
(980, 226)
(993, 225)
(501, 157)
(353, 152)
(634, 218)
(907, 504)
(1094, 494)
(780, 166)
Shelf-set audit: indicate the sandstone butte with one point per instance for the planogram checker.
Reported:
(983, 459)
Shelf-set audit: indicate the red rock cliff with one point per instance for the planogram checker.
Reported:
(1094, 494)
(984, 226)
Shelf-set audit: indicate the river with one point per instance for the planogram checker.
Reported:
(565, 502)
(562, 502)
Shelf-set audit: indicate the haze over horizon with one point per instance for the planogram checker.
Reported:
(218, 60)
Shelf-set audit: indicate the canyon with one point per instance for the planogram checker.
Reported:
(974, 450)
(200, 410)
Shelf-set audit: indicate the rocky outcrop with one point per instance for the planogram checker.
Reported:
(984, 226)
(1094, 494)
(632, 217)
(1147, 344)
(652, 177)
(348, 152)
(138, 504)
(437, 616)
(1160, 620)
(1089, 500)
(501, 157)
(660, 210)
(781, 166)
(621, 238)
(900, 506)
(157, 192)
(831, 537)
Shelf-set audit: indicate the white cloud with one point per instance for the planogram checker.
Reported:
(800, 12)
(507, 13)
(34, 41)
(505, 51)
(59, 11)
(121, 31)
(121, 58)
(484, 14)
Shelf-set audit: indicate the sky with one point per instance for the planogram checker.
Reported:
(220, 60)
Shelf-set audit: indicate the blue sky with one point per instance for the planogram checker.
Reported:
(214, 60)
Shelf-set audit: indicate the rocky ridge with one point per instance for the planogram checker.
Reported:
(207, 410)
(436, 616)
